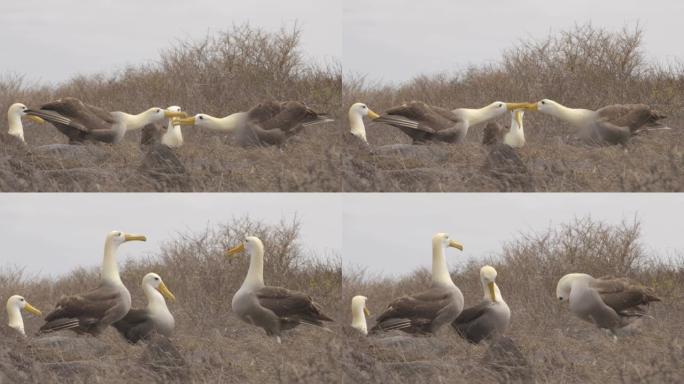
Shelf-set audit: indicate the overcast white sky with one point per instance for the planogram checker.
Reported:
(386, 233)
(56, 39)
(390, 233)
(395, 40)
(51, 234)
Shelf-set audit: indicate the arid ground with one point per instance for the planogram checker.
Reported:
(545, 343)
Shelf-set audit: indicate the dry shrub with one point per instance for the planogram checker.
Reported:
(216, 346)
(223, 73)
(583, 67)
(558, 347)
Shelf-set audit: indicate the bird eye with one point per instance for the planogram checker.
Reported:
(156, 278)
(201, 117)
(364, 107)
(543, 102)
(500, 105)
(22, 299)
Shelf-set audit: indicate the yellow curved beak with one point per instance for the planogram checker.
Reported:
(187, 121)
(35, 119)
(525, 106)
(492, 291)
(170, 114)
(129, 237)
(30, 308)
(235, 250)
(372, 114)
(366, 311)
(166, 292)
(456, 244)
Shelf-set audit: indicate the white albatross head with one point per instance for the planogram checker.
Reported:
(488, 280)
(155, 281)
(15, 304)
(356, 114)
(564, 286)
(14, 114)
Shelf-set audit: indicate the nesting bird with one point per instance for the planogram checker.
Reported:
(95, 310)
(608, 302)
(426, 312)
(359, 313)
(15, 304)
(141, 324)
(489, 318)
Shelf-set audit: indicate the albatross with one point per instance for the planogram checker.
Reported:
(356, 114)
(427, 311)
(14, 114)
(82, 122)
(613, 124)
(272, 308)
(359, 313)
(269, 123)
(140, 324)
(427, 123)
(487, 319)
(93, 311)
(15, 304)
(608, 302)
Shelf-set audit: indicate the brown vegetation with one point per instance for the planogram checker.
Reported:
(222, 74)
(586, 67)
(214, 346)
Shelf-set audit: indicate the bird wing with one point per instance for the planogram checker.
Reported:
(623, 294)
(136, 325)
(630, 116)
(288, 304)
(475, 323)
(81, 116)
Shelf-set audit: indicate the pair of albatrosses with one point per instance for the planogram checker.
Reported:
(608, 302)
(426, 312)
(15, 304)
(426, 123)
(268, 123)
(273, 309)
(110, 302)
(82, 122)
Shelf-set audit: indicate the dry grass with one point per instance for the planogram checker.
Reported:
(559, 348)
(222, 74)
(216, 346)
(586, 67)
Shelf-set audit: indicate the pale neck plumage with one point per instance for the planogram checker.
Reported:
(357, 128)
(133, 122)
(15, 320)
(478, 116)
(359, 318)
(155, 300)
(110, 270)
(173, 136)
(255, 274)
(228, 123)
(574, 116)
(16, 128)
(440, 272)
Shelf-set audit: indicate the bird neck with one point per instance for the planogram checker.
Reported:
(440, 272)
(16, 128)
(155, 300)
(488, 295)
(228, 123)
(15, 320)
(478, 116)
(255, 274)
(110, 270)
(133, 122)
(574, 116)
(359, 319)
(173, 136)
(357, 128)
